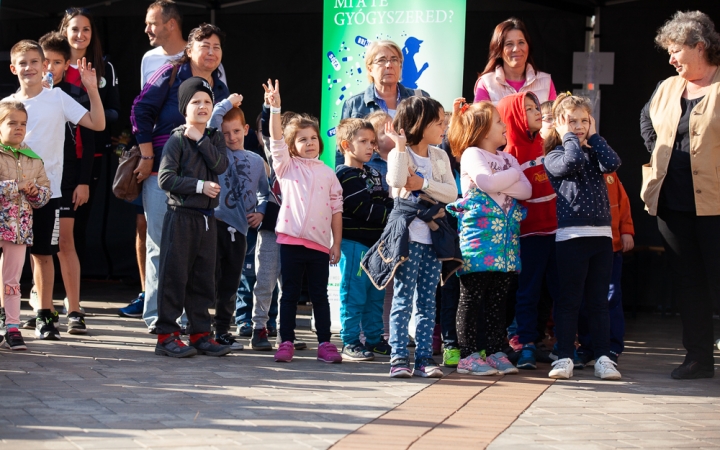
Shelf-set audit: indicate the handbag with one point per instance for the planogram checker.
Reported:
(125, 185)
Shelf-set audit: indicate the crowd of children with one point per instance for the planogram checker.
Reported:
(524, 206)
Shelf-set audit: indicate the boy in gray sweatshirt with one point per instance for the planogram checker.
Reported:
(243, 198)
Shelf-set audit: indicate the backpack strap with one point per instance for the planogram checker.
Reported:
(173, 75)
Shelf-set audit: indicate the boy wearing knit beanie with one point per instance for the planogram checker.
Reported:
(193, 157)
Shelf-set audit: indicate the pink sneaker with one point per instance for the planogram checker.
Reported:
(327, 352)
(285, 352)
(515, 343)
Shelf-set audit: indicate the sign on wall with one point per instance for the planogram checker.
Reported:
(431, 34)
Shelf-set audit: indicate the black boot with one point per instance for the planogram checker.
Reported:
(260, 340)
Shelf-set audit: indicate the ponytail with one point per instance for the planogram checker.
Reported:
(565, 101)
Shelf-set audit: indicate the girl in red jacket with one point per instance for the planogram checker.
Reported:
(521, 113)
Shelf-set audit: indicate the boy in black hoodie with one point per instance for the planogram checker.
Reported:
(193, 157)
(366, 207)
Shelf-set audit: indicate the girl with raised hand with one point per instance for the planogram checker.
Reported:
(417, 242)
(309, 225)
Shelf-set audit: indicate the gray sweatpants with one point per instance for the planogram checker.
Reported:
(267, 269)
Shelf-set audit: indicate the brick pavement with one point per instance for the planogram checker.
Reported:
(108, 390)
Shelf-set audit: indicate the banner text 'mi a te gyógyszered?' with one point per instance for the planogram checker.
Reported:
(382, 17)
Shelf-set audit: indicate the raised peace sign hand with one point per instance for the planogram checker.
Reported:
(272, 93)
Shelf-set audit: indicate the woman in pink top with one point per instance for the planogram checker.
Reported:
(510, 68)
(311, 213)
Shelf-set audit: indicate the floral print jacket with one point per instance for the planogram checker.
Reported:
(15, 206)
(489, 238)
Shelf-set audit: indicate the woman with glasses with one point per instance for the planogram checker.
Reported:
(510, 68)
(383, 62)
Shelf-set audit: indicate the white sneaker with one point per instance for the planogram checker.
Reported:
(66, 307)
(605, 369)
(562, 369)
(34, 300)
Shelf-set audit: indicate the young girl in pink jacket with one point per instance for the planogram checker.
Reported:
(311, 213)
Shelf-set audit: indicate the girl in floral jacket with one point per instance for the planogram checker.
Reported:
(23, 186)
(489, 225)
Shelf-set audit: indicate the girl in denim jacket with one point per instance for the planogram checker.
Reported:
(416, 170)
(489, 225)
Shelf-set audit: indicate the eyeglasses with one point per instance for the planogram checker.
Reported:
(383, 61)
(547, 118)
(76, 11)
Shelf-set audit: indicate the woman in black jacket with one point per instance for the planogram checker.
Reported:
(79, 29)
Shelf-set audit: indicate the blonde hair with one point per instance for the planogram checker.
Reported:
(546, 107)
(378, 119)
(294, 125)
(348, 128)
(8, 106)
(469, 127)
(564, 103)
(372, 51)
(24, 46)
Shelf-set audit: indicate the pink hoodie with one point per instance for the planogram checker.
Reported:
(311, 195)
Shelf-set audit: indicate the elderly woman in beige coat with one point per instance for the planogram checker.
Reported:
(681, 183)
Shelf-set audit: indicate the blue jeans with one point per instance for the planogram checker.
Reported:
(615, 311)
(537, 254)
(360, 300)
(419, 274)
(585, 269)
(155, 203)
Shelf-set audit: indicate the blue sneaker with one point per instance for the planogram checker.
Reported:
(527, 358)
(134, 309)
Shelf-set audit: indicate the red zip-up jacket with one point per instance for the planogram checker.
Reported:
(528, 150)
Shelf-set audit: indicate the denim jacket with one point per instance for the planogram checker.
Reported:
(393, 248)
(489, 238)
(360, 105)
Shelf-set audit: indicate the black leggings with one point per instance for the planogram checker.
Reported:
(486, 294)
(692, 244)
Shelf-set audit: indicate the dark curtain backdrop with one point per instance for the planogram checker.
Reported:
(285, 42)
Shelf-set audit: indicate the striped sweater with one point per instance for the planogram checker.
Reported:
(366, 205)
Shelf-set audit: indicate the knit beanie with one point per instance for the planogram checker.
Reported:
(189, 87)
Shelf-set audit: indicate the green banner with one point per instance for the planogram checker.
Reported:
(431, 34)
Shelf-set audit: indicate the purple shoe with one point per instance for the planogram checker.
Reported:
(285, 352)
(327, 352)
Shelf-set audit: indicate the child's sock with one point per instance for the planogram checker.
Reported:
(162, 337)
(197, 336)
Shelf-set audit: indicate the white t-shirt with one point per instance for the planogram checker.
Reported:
(567, 233)
(47, 114)
(419, 230)
(153, 59)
